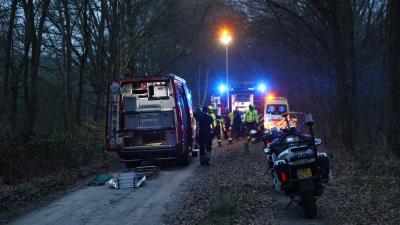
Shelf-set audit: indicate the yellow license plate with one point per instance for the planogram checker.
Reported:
(304, 173)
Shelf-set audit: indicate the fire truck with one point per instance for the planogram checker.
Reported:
(241, 96)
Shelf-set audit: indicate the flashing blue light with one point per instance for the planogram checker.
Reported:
(261, 88)
(222, 88)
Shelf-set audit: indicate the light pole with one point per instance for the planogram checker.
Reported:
(226, 39)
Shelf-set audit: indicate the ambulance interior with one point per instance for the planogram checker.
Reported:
(148, 114)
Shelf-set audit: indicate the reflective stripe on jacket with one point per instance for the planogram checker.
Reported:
(214, 119)
(231, 118)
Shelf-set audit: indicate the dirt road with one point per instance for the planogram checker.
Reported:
(177, 193)
(102, 205)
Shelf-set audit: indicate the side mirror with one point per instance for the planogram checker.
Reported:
(267, 150)
(151, 91)
(318, 141)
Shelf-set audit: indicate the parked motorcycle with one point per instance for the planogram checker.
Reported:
(298, 168)
(258, 135)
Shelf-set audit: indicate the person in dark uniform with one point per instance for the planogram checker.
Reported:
(205, 125)
(228, 123)
(195, 114)
(237, 123)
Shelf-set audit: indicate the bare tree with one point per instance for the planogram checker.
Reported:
(86, 49)
(394, 72)
(34, 34)
(8, 67)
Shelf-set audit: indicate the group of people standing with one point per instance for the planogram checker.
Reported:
(211, 125)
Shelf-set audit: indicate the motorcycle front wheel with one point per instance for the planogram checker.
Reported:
(309, 203)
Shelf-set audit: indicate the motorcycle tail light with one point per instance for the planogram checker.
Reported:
(283, 177)
(129, 134)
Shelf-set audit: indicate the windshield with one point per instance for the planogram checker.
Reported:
(276, 109)
(243, 98)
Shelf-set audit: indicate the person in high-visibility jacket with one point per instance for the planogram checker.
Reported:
(220, 126)
(216, 123)
(251, 119)
(212, 114)
(228, 119)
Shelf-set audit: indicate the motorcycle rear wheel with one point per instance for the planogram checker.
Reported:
(309, 203)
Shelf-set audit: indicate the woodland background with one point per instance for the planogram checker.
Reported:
(339, 60)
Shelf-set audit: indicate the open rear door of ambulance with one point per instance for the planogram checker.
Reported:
(113, 136)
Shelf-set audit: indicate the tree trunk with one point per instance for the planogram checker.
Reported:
(99, 99)
(66, 33)
(86, 49)
(205, 86)
(36, 34)
(8, 62)
(341, 34)
(394, 73)
(25, 58)
(199, 86)
(114, 41)
(68, 56)
(100, 61)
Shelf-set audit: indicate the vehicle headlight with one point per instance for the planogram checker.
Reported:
(289, 139)
(302, 153)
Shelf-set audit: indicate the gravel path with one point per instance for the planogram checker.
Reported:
(103, 205)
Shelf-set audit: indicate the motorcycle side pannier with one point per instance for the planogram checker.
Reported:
(282, 171)
(324, 167)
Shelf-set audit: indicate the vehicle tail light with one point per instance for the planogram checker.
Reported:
(283, 177)
(128, 134)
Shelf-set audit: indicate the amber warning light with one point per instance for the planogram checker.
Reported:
(270, 97)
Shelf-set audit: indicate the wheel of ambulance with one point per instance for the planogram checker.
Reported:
(184, 159)
(133, 164)
(194, 153)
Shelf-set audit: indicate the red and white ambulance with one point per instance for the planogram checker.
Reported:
(273, 109)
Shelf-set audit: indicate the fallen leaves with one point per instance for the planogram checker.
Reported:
(358, 194)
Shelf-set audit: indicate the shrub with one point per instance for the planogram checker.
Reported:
(23, 157)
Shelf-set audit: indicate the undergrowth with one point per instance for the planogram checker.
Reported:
(25, 157)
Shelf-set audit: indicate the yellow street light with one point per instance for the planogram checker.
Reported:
(225, 37)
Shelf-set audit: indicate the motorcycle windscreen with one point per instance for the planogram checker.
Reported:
(113, 139)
